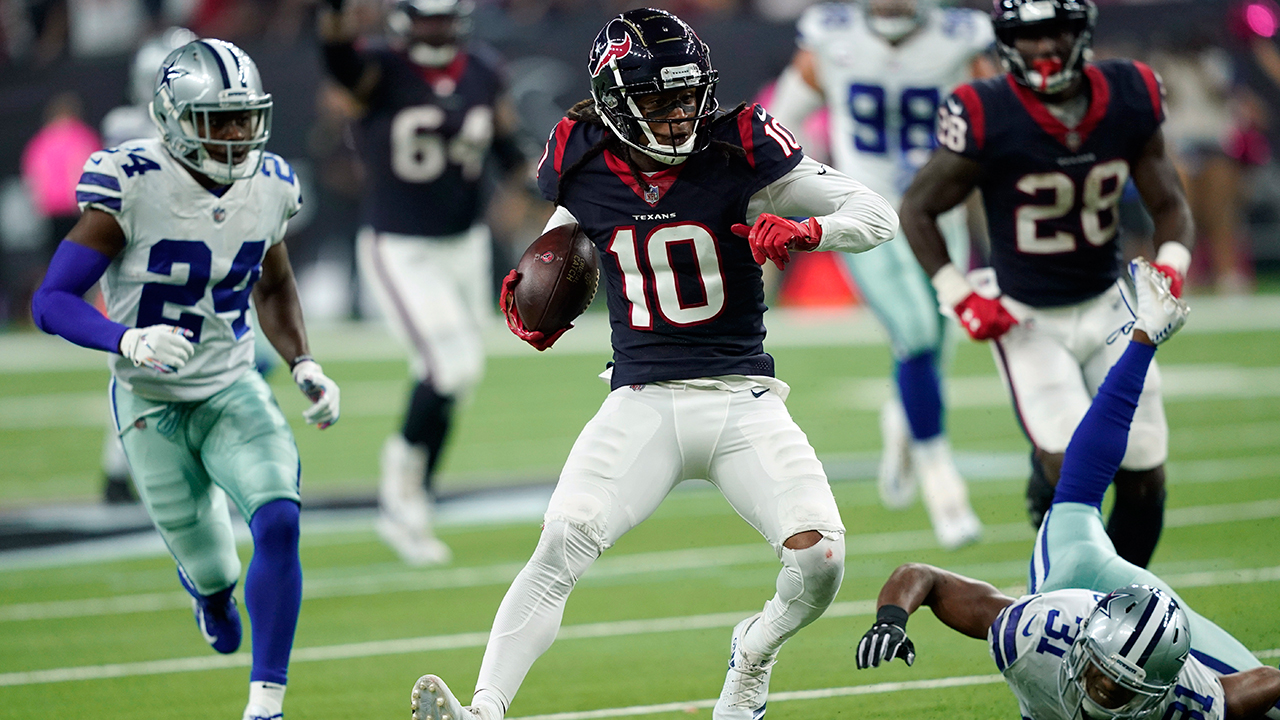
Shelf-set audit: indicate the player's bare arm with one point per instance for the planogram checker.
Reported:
(279, 312)
(1161, 188)
(944, 182)
(1251, 693)
(966, 605)
(99, 231)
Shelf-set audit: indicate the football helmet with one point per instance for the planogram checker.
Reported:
(142, 76)
(1013, 17)
(895, 19)
(1138, 637)
(195, 83)
(435, 46)
(647, 51)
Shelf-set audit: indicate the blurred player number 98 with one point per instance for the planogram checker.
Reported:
(558, 276)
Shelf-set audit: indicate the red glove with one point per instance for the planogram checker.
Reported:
(772, 236)
(507, 304)
(1175, 278)
(984, 318)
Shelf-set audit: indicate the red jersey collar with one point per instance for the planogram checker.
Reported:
(1073, 139)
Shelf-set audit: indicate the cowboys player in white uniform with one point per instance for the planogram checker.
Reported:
(182, 230)
(881, 67)
(1088, 650)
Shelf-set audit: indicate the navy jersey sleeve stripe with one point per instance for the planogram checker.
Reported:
(100, 180)
(995, 640)
(1153, 90)
(89, 198)
(1011, 632)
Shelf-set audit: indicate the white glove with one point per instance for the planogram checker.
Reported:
(323, 392)
(163, 348)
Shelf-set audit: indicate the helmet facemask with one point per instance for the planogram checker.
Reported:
(1038, 19)
(431, 30)
(1082, 666)
(193, 107)
(686, 87)
(893, 20)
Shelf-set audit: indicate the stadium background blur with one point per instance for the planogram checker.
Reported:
(88, 606)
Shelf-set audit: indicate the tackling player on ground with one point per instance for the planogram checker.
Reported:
(684, 203)
(882, 66)
(1100, 637)
(1051, 145)
(434, 115)
(183, 230)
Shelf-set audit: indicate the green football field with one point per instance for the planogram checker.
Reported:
(646, 632)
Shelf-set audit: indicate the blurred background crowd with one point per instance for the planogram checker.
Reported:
(68, 86)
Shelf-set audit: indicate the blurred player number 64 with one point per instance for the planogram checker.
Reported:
(558, 276)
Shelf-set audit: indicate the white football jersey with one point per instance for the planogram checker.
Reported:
(191, 258)
(883, 98)
(1029, 642)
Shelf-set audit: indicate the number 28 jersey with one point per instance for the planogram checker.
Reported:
(1051, 192)
(686, 299)
(1029, 641)
(884, 98)
(190, 259)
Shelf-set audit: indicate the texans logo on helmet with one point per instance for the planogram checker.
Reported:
(547, 257)
(616, 49)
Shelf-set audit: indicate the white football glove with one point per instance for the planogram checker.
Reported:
(163, 348)
(323, 392)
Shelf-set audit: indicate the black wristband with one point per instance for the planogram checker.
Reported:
(300, 359)
(893, 615)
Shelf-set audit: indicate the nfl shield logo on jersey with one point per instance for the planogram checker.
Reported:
(219, 214)
(651, 195)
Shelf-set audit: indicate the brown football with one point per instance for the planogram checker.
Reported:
(558, 276)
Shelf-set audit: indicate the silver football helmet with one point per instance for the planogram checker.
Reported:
(199, 88)
(432, 47)
(1138, 638)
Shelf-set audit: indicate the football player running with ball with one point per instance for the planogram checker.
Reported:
(198, 424)
(684, 204)
(434, 114)
(882, 66)
(1051, 145)
(1099, 637)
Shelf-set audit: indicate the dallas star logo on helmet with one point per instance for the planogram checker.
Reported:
(616, 49)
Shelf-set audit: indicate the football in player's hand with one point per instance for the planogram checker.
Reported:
(558, 276)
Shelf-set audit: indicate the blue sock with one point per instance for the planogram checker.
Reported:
(921, 394)
(1099, 442)
(273, 589)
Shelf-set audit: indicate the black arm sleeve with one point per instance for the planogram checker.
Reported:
(344, 63)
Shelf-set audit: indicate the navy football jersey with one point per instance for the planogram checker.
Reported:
(1051, 192)
(424, 139)
(686, 299)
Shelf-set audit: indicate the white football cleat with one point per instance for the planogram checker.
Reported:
(432, 700)
(257, 712)
(1159, 313)
(404, 508)
(946, 496)
(746, 686)
(897, 479)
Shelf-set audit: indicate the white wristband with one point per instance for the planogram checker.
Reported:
(1175, 255)
(951, 285)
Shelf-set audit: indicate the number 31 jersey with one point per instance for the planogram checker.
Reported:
(884, 98)
(191, 258)
(1050, 191)
(1030, 639)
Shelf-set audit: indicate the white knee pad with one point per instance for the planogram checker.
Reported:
(806, 586)
(565, 551)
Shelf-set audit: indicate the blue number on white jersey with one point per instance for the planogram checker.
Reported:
(199, 259)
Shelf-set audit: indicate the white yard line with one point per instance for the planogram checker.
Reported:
(607, 568)
(380, 648)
